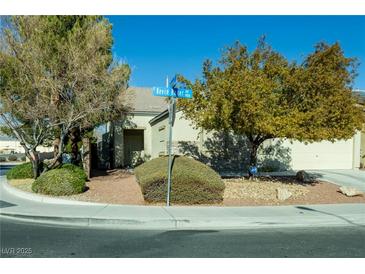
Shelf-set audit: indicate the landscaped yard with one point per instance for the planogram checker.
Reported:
(263, 191)
(114, 186)
(120, 187)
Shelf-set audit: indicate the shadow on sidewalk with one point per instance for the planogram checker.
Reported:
(184, 233)
(4, 204)
(330, 214)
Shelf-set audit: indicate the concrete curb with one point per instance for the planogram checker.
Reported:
(124, 223)
(189, 223)
(43, 198)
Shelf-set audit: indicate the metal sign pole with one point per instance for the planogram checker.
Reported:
(169, 149)
(172, 93)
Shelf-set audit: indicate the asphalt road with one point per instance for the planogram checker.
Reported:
(19, 239)
(4, 168)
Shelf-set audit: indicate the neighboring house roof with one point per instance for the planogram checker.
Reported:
(141, 100)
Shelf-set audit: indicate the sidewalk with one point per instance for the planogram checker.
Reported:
(54, 211)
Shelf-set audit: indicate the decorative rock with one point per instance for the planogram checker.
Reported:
(283, 194)
(350, 191)
(303, 177)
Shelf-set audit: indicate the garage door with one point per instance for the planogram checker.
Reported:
(321, 155)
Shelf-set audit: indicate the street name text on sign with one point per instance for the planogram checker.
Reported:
(169, 92)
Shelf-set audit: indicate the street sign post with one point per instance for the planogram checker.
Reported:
(172, 91)
(171, 122)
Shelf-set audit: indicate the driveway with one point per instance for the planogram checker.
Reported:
(342, 177)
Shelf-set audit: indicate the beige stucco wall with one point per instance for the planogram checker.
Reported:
(159, 138)
(362, 155)
(182, 131)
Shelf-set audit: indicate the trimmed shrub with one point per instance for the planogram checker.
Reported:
(12, 158)
(192, 182)
(2, 159)
(23, 158)
(66, 180)
(75, 169)
(23, 171)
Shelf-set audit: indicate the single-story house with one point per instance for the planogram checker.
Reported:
(144, 135)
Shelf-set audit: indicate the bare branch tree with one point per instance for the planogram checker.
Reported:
(56, 74)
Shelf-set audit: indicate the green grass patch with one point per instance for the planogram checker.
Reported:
(23, 171)
(65, 180)
(192, 181)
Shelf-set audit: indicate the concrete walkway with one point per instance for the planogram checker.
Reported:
(157, 217)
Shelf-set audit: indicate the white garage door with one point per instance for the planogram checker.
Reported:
(321, 155)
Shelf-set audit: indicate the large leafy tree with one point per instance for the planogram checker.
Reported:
(57, 72)
(262, 95)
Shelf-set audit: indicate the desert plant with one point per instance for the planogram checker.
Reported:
(192, 181)
(75, 169)
(23, 171)
(66, 180)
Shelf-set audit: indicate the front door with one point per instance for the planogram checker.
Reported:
(133, 144)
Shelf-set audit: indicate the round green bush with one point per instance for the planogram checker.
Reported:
(192, 181)
(75, 169)
(23, 171)
(2, 159)
(66, 180)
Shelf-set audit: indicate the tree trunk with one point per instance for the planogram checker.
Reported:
(57, 159)
(75, 138)
(56, 149)
(253, 159)
(253, 154)
(35, 163)
(86, 156)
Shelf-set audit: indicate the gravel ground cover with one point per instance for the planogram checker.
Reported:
(263, 191)
(120, 187)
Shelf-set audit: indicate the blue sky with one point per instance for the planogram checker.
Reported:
(157, 46)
